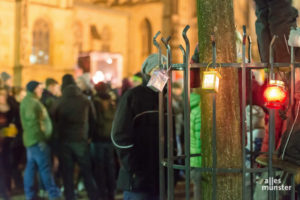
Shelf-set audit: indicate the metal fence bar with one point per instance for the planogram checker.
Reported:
(250, 117)
(222, 170)
(184, 156)
(271, 193)
(244, 113)
(293, 187)
(248, 65)
(292, 75)
(186, 97)
(170, 140)
(214, 133)
(161, 127)
(292, 100)
(251, 133)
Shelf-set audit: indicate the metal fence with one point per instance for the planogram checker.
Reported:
(168, 162)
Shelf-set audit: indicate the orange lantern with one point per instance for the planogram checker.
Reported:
(275, 94)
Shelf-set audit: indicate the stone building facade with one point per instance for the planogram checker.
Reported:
(42, 38)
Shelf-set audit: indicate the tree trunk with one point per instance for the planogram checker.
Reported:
(215, 16)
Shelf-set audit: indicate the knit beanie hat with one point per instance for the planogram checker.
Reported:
(149, 64)
(67, 80)
(32, 85)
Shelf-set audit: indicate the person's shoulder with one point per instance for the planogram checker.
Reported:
(137, 90)
(132, 93)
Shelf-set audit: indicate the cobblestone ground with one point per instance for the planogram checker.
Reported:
(179, 194)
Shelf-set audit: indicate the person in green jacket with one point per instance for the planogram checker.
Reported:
(195, 132)
(37, 128)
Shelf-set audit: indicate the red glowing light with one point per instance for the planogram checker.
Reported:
(275, 96)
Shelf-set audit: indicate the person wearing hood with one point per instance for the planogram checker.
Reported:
(73, 118)
(195, 148)
(37, 129)
(135, 135)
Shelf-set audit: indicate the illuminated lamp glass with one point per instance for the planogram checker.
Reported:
(275, 94)
(211, 81)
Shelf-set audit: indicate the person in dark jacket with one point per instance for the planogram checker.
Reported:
(4, 193)
(72, 115)
(50, 93)
(135, 134)
(49, 97)
(9, 120)
(275, 17)
(7, 115)
(101, 148)
(18, 149)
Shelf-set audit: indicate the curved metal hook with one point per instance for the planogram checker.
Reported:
(186, 28)
(183, 53)
(186, 40)
(158, 47)
(166, 41)
(167, 45)
(182, 49)
(249, 49)
(249, 39)
(154, 40)
(244, 35)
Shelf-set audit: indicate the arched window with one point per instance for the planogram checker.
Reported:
(146, 36)
(40, 43)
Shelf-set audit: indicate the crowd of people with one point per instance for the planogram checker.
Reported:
(61, 133)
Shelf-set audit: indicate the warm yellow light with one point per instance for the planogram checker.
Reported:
(98, 77)
(211, 80)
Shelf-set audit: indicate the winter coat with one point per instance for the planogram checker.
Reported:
(291, 137)
(73, 116)
(105, 114)
(268, 24)
(48, 99)
(10, 116)
(195, 129)
(37, 126)
(135, 134)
